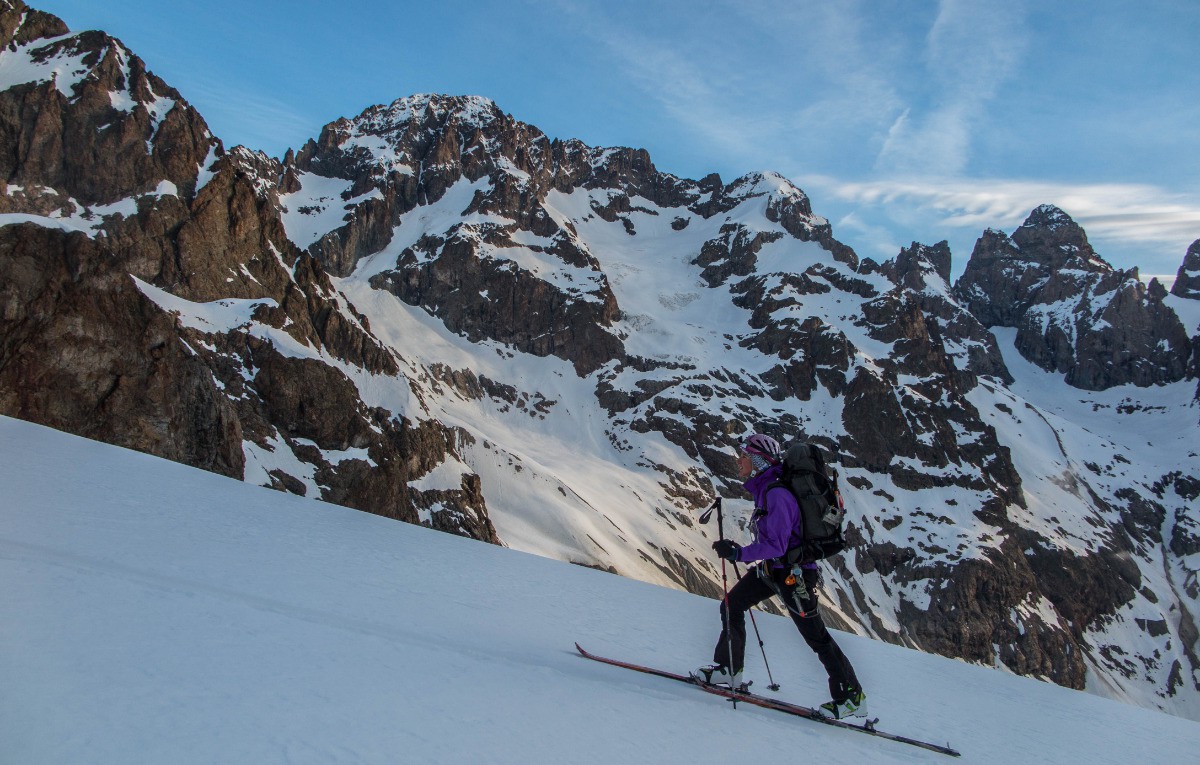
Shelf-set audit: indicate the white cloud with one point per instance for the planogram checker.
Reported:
(1131, 212)
(938, 142)
(1135, 216)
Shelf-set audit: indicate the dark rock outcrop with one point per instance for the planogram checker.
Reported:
(1073, 312)
(1187, 281)
(81, 350)
(75, 138)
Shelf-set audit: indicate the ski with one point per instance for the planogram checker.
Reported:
(808, 713)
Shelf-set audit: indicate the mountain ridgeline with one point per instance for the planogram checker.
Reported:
(434, 312)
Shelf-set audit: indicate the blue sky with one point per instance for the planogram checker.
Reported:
(902, 119)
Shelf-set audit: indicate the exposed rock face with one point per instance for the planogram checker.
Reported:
(65, 132)
(923, 273)
(1074, 314)
(127, 182)
(435, 313)
(81, 350)
(461, 276)
(1187, 282)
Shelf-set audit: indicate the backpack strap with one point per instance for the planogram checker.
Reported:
(792, 554)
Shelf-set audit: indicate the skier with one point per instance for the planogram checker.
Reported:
(777, 529)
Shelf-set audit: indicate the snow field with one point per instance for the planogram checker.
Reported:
(158, 613)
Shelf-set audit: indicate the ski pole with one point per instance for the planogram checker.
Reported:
(704, 518)
(725, 587)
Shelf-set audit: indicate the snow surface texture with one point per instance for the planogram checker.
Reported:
(157, 613)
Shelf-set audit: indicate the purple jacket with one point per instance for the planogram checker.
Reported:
(776, 530)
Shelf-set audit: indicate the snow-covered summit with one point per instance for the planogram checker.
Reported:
(424, 111)
(1048, 216)
(764, 182)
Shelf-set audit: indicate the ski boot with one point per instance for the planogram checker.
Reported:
(855, 705)
(718, 674)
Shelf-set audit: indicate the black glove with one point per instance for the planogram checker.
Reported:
(727, 549)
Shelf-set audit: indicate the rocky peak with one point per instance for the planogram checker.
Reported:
(432, 139)
(936, 337)
(432, 108)
(1053, 239)
(20, 24)
(998, 280)
(1187, 281)
(770, 184)
(411, 127)
(1005, 274)
(785, 203)
(1073, 312)
(1051, 218)
(914, 264)
(391, 160)
(88, 120)
(778, 192)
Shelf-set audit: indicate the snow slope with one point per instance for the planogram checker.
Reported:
(155, 613)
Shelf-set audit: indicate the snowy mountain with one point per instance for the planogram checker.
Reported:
(159, 613)
(433, 312)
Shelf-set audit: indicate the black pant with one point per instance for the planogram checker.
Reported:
(757, 585)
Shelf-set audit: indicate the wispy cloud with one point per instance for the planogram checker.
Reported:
(1135, 212)
(972, 48)
(755, 79)
(913, 105)
(276, 125)
(687, 89)
(1139, 215)
(712, 102)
